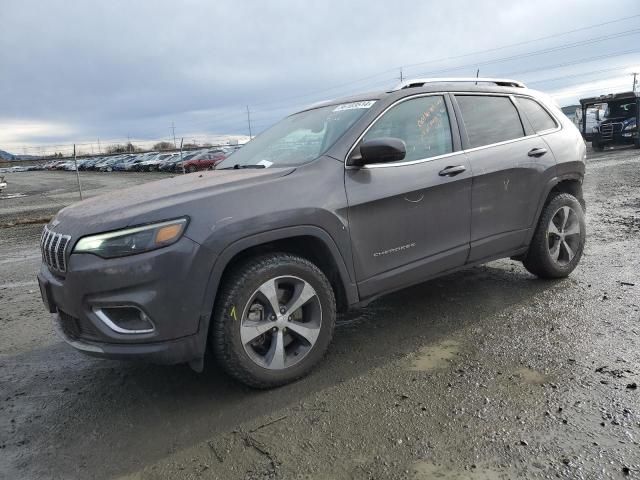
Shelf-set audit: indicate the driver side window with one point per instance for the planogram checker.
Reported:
(422, 123)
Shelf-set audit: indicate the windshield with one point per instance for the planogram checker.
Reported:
(625, 110)
(299, 138)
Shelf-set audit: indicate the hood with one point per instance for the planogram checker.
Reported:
(156, 201)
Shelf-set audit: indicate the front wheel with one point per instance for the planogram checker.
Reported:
(558, 242)
(273, 320)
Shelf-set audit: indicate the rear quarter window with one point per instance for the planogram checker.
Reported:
(489, 119)
(538, 117)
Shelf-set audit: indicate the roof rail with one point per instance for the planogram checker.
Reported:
(419, 82)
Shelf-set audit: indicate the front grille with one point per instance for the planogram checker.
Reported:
(53, 246)
(608, 130)
(78, 329)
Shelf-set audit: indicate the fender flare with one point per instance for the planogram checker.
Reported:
(231, 250)
(551, 183)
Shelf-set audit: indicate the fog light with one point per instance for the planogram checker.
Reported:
(125, 319)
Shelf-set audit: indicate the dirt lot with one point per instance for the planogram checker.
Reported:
(488, 373)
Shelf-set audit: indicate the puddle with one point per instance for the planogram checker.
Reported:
(427, 471)
(434, 357)
(12, 195)
(531, 376)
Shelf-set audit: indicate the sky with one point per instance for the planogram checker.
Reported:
(79, 71)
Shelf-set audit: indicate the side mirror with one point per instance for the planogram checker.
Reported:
(379, 150)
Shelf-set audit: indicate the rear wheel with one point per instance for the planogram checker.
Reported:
(557, 245)
(191, 168)
(273, 320)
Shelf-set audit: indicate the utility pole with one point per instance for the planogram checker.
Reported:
(75, 162)
(477, 74)
(173, 129)
(249, 121)
(634, 80)
(181, 158)
(401, 76)
(99, 147)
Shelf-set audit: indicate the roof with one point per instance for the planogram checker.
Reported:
(432, 86)
(609, 97)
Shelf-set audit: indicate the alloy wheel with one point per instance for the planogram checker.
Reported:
(281, 322)
(563, 235)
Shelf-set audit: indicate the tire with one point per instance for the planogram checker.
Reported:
(191, 169)
(252, 359)
(555, 250)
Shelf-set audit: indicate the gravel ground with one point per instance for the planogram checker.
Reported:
(485, 374)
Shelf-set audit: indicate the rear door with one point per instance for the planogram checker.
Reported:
(508, 160)
(410, 219)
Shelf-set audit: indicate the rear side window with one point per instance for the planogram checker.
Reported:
(538, 116)
(489, 119)
(422, 123)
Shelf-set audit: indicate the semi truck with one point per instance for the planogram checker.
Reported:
(617, 124)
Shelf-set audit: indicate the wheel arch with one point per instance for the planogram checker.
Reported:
(310, 242)
(567, 183)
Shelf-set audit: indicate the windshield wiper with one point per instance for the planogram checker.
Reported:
(237, 166)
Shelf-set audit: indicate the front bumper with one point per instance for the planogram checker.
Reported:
(617, 138)
(167, 284)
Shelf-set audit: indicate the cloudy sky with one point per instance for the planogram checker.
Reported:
(76, 71)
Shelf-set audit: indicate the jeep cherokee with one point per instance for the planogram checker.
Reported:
(330, 208)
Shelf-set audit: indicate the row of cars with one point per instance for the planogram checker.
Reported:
(171, 162)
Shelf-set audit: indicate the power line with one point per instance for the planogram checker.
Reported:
(581, 74)
(518, 44)
(538, 52)
(456, 57)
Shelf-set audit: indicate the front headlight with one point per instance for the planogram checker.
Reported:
(594, 129)
(630, 127)
(130, 241)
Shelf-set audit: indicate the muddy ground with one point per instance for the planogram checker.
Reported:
(488, 373)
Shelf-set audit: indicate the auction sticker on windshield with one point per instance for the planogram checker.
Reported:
(354, 105)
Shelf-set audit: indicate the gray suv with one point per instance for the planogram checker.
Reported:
(328, 209)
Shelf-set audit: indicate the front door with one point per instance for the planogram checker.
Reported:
(410, 219)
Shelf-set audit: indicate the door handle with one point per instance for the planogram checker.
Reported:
(537, 152)
(452, 171)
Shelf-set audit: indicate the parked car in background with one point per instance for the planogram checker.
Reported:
(3, 183)
(90, 163)
(107, 165)
(120, 165)
(153, 163)
(175, 164)
(205, 161)
(54, 165)
(138, 159)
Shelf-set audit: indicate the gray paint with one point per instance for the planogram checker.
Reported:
(385, 226)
